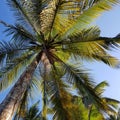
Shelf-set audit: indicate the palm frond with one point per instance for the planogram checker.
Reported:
(66, 99)
(58, 14)
(10, 73)
(89, 35)
(18, 32)
(9, 62)
(108, 43)
(55, 92)
(88, 16)
(33, 113)
(86, 88)
(90, 52)
(50, 92)
(108, 59)
(10, 48)
(112, 102)
(88, 46)
(99, 88)
(21, 14)
(29, 12)
(67, 12)
(10, 53)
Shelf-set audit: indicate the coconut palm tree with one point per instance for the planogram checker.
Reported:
(47, 36)
(86, 107)
(111, 102)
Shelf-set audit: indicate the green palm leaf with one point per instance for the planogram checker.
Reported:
(61, 99)
(21, 14)
(18, 32)
(88, 16)
(86, 88)
(88, 45)
(13, 71)
(100, 87)
(112, 102)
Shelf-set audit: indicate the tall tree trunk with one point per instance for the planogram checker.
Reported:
(14, 97)
(45, 75)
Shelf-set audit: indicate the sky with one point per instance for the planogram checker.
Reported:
(109, 24)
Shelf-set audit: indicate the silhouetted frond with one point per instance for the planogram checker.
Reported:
(18, 33)
(112, 102)
(100, 87)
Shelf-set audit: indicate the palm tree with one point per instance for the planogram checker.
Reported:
(86, 107)
(111, 102)
(47, 36)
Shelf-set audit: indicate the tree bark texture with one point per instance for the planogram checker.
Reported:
(14, 97)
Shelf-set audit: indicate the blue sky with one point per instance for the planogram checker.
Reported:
(109, 24)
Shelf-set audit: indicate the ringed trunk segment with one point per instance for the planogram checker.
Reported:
(45, 59)
(46, 62)
(14, 97)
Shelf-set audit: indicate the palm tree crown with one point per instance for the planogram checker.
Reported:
(47, 36)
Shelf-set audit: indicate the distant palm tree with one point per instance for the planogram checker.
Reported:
(112, 103)
(86, 107)
(51, 36)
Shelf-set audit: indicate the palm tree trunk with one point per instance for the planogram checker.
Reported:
(45, 75)
(14, 97)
